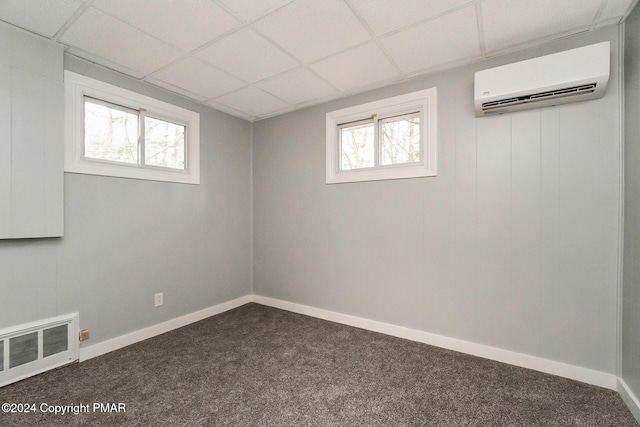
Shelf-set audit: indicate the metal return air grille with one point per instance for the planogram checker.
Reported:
(542, 96)
(36, 347)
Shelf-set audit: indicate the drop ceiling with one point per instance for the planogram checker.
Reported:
(259, 58)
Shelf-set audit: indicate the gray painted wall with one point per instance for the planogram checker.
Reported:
(127, 239)
(630, 371)
(514, 244)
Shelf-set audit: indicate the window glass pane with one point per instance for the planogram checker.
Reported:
(110, 133)
(357, 149)
(164, 143)
(400, 139)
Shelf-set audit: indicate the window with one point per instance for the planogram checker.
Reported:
(115, 132)
(389, 139)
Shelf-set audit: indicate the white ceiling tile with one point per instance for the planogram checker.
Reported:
(247, 55)
(512, 22)
(252, 101)
(140, 38)
(312, 29)
(247, 10)
(388, 15)
(199, 78)
(44, 17)
(298, 86)
(358, 67)
(112, 39)
(185, 24)
(445, 39)
(615, 9)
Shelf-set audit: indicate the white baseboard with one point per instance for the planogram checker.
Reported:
(632, 401)
(585, 375)
(169, 325)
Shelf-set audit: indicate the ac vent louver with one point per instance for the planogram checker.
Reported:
(552, 94)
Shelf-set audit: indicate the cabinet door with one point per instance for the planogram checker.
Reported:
(36, 155)
(31, 136)
(31, 155)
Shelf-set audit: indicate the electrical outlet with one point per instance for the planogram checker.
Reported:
(84, 335)
(159, 299)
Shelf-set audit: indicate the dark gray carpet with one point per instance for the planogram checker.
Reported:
(260, 366)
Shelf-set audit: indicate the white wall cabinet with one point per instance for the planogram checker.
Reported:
(31, 136)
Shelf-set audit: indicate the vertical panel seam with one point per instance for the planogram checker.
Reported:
(251, 211)
(621, 193)
(511, 230)
(10, 210)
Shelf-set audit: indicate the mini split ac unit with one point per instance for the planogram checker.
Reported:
(570, 76)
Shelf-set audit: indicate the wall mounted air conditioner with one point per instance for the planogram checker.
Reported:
(570, 76)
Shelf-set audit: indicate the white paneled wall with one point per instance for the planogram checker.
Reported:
(513, 245)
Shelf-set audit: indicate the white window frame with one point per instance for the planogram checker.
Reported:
(78, 86)
(423, 101)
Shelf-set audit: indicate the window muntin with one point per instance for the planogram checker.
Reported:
(392, 138)
(111, 131)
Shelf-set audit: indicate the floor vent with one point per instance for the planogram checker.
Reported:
(32, 348)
